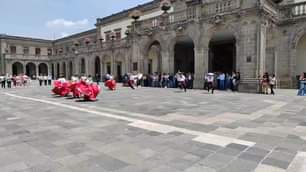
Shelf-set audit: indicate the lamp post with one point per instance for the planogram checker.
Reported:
(87, 42)
(112, 36)
(76, 52)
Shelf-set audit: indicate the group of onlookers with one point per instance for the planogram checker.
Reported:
(302, 85)
(268, 82)
(44, 80)
(7, 81)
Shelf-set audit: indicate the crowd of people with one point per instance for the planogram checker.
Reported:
(9, 81)
(302, 85)
(268, 83)
(184, 81)
(44, 80)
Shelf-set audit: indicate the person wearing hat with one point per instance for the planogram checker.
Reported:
(210, 82)
(182, 81)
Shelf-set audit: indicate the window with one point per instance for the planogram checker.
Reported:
(37, 51)
(26, 50)
(13, 49)
(118, 34)
(135, 66)
(107, 36)
(49, 52)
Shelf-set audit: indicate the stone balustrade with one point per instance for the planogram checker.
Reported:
(295, 10)
(219, 7)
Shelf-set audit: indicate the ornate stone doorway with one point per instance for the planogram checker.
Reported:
(31, 70)
(184, 55)
(154, 61)
(222, 53)
(43, 69)
(17, 68)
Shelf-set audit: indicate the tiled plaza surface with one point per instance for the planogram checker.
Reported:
(152, 130)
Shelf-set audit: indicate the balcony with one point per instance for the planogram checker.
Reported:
(294, 11)
(192, 13)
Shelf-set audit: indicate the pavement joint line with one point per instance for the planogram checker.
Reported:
(151, 126)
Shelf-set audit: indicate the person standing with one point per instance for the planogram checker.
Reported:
(222, 81)
(265, 83)
(210, 77)
(40, 79)
(302, 89)
(49, 80)
(97, 77)
(2, 80)
(45, 80)
(131, 81)
(9, 81)
(181, 79)
(272, 84)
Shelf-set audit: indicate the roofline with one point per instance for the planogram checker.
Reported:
(94, 30)
(4, 36)
(125, 13)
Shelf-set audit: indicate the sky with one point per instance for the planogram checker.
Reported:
(52, 19)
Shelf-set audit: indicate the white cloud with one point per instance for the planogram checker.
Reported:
(64, 34)
(62, 23)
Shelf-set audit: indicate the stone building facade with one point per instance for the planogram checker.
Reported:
(197, 36)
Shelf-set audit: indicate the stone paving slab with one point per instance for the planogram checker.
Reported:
(140, 130)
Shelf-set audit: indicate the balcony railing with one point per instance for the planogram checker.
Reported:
(221, 6)
(295, 10)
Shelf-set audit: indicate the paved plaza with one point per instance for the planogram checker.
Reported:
(152, 130)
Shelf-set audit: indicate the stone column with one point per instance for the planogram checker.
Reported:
(261, 47)
(167, 60)
(37, 69)
(201, 65)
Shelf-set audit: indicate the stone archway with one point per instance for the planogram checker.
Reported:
(17, 68)
(184, 56)
(300, 64)
(43, 69)
(154, 58)
(222, 53)
(31, 70)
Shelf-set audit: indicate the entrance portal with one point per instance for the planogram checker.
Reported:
(17, 68)
(154, 58)
(43, 69)
(31, 70)
(222, 54)
(184, 56)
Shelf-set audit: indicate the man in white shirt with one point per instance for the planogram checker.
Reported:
(181, 79)
(210, 82)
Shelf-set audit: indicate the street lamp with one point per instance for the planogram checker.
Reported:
(112, 37)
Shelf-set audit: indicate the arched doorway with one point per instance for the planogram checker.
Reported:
(52, 71)
(222, 53)
(64, 70)
(70, 73)
(184, 55)
(17, 68)
(154, 58)
(31, 70)
(43, 69)
(57, 70)
(301, 57)
(83, 67)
